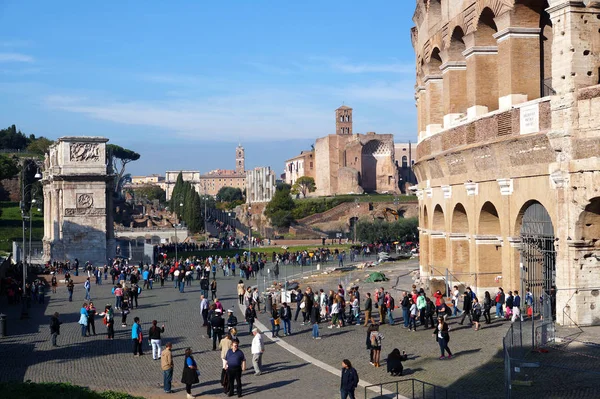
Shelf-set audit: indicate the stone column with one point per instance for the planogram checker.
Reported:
(421, 111)
(518, 65)
(434, 89)
(454, 75)
(482, 77)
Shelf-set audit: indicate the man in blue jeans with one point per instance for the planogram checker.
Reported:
(405, 309)
(166, 362)
(285, 314)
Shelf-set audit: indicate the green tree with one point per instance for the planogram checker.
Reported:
(12, 139)
(304, 185)
(176, 197)
(117, 158)
(8, 167)
(39, 146)
(379, 230)
(229, 194)
(280, 208)
(151, 193)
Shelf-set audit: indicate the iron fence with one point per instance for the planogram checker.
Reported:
(409, 389)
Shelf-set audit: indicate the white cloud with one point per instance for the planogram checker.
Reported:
(252, 116)
(15, 57)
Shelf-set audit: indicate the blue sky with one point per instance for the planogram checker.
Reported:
(183, 82)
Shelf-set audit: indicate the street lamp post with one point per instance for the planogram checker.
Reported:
(205, 224)
(37, 176)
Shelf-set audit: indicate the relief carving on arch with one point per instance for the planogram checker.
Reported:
(84, 152)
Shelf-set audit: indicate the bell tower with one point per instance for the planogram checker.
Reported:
(343, 120)
(240, 160)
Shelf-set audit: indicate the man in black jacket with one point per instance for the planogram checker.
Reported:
(467, 306)
(218, 326)
(250, 317)
(285, 314)
(54, 327)
(405, 308)
(349, 380)
(368, 310)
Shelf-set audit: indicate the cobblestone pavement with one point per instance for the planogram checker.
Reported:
(476, 371)
(101, 364)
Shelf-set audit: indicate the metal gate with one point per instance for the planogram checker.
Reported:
(538, 254)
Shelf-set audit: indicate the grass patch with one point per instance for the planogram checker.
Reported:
(264, 250)
(58, 390)
(11, 225)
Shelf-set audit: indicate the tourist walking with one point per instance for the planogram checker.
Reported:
(285, 314)
(476, 313)
(516, 308)
(422, 306)
(235, 364)
(500, 298)
(405, 309)
(70, 288)
(250, 317)
(154, 337)
(467, 308)
(190, 373)
(166, 363)
(241, 290)
(54, 282)
(118, 291)
(108, 318)
(91, 311)
(349, 380)
(204, 310)
(218, 327)
(224, 346)
(455, 298)
(83, 319)
(442, 337)
(314, 320)
(137, 337)
(376, 338)
(368, 310)
(213, 289)
(87, 287)
(487, 306)
(412, 322)
(275, 322)
(54, 328)
(258, 348)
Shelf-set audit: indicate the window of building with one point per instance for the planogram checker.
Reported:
(404, 161)
(311, 165)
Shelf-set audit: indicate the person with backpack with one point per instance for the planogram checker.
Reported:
(405, 309)
(476, 313)
(376, 338)
(349, 380)
(509, 305)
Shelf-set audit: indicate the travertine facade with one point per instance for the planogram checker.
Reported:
(78, 201)
(509, 137)
(260, 185)
(214, 180)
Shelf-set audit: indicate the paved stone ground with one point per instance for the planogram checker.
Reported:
(101, 364)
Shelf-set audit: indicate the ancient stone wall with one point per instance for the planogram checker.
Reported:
(507, 178)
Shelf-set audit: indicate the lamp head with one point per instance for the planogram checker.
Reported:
(38, 175)
(33, 201)
(181, 204)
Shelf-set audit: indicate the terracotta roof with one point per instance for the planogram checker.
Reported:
(344, 107)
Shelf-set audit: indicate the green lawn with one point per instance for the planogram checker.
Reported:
(28, 390)
(265, 250)
(11, 227)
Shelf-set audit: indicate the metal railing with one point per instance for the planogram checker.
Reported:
(410, 388)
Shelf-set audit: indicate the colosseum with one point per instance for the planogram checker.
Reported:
(508, 108)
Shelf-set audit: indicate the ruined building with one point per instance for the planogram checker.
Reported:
(509, 137)
(345, 162)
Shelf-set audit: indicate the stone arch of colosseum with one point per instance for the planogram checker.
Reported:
(489, 246)
(438, 239)
(460, 260)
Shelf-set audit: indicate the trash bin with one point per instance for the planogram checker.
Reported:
(3, 325)
(268, 303)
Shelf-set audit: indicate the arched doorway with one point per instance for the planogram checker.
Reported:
(374, 155)
(538, 255)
